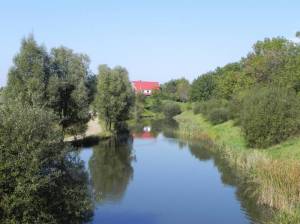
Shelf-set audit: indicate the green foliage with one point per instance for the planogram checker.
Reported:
(231, 80)
(115, 96)
(1, 95)
(203, 87)
(27, 79)
(197, 108)
(57, 81)
(67, 91)
(218, 115)
(176, 90)
(139, 106)
(40, 180)
(171, 109)
(268, 59)
(215, 110)
(91, 85)
(270, 115)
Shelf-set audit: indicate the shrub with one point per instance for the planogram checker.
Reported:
(218, 115)
(269, 116)
(171, 109)
(210, 105)
(197, 108)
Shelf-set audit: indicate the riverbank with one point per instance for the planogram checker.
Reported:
(94, 130)
(272, 175)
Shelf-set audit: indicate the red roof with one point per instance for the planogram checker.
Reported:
(142, 85)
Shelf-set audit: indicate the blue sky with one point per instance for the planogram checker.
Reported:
(154, 39)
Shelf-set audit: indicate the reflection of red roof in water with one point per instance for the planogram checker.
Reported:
(143, 135)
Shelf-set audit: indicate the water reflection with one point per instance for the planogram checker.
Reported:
(170, 185)
(255, 213)
(110, 169)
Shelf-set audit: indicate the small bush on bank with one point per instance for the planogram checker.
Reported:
(219, 115)
(269, 116)
(197, 108)
(171, 109)
(215, 110)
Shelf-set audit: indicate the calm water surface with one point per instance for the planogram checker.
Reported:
(153, 178)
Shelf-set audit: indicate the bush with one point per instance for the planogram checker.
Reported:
(197, 108)
(171, 109)
(215, 110)
(269, 116)
(218, 115)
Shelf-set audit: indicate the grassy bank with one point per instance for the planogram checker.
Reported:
(272, 175)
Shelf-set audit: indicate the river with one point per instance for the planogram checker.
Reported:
(155, 178)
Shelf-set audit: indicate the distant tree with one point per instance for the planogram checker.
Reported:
(230, 80)
(203, 87)
(67, 90)
(169, 89)
(41, 181)
(268, 59)
(28, 77)
(176, 89)
(114, 97)
(182, 89)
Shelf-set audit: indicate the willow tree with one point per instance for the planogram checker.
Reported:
(114, 97)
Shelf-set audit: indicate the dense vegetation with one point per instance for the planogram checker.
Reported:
(40, 180)
(56, 81)
(47, 96)
(259, 92)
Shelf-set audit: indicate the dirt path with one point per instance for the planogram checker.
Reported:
(93, 129)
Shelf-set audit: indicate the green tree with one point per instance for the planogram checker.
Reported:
(182, 89)
(40, 180)
(230, 80)
(268, 59)
(114, 97)
(28, 77)
(203, 87)
(176, 89)
(67, 90)
(270, 115)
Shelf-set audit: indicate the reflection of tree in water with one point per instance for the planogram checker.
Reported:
(166, 126)
(256, 213)
(111, 169)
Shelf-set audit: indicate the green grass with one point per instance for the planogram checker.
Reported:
(230, 135)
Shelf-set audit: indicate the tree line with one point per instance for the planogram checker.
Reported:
(260, 92)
